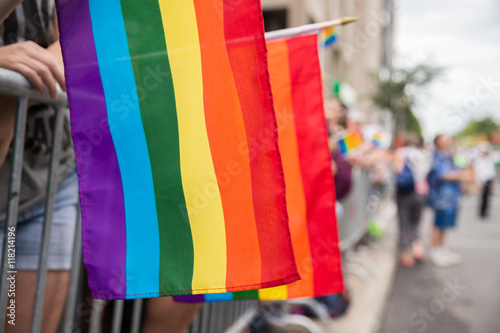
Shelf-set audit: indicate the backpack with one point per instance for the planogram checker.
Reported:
(405, 181)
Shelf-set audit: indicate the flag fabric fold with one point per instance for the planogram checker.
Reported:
(303, 141)
(181, 182)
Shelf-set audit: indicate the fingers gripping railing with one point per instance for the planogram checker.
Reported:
(14, 84)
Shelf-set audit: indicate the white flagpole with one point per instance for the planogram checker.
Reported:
(307, 29)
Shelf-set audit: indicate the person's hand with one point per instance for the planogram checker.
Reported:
(335, 168)
(333, 144)
(353, 160)
(37, 64)
(458, 175)
(468, 175)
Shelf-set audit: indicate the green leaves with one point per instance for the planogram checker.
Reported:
(399, 91)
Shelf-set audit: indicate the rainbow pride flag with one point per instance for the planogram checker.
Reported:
(349, 142)
(303, 140)
(328, 37)
(181, 182)
(378, 138)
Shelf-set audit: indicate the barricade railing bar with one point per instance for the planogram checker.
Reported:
(353, 224)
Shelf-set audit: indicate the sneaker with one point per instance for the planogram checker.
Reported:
(439, 258)
(453, 258)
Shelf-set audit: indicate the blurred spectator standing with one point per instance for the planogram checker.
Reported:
(336, 121)
(412, 162)
(485, 172)
(444, 195)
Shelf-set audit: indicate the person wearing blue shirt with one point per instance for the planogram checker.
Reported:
(444, 196)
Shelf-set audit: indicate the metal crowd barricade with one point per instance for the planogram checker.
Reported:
(353, 224)
(231, 317)
(14, 84)
(213, 318)
(359, 206)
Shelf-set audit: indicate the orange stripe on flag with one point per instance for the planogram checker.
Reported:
(279, 71)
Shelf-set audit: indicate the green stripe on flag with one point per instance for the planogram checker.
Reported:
(155, 90)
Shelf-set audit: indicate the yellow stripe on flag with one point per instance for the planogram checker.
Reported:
(273, 294)
(201, 190)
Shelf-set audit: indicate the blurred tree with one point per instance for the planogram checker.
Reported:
(412, 123)
(397, 93)
(486, 126)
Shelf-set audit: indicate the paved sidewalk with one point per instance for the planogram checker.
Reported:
(370, 289)
(458, 299)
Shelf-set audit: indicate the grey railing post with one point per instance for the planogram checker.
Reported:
(117, 316)
(74, 278)
(136, 316)
(96, 315)
(205, 319)
(47, 224)
(13, 202)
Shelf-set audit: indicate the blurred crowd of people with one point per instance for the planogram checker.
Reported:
(423, 174)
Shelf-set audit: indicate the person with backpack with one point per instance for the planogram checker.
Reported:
(412, 163)
(444, 183)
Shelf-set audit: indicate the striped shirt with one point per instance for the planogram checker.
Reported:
(32, 20)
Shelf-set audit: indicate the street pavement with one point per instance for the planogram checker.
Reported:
(458, 299)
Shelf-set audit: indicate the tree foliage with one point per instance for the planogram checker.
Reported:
(486, 126)
(399, 91)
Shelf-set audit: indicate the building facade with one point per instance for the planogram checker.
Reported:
(363, 50)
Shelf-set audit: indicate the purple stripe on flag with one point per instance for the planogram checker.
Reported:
(98, 170)
(190, 298)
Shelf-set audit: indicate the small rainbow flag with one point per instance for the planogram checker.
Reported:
(303, 140)
(328, 37)
(350, 141)
(181, 182)
(378, 138)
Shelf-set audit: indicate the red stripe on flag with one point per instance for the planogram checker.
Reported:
(315, 163)
(248, 48)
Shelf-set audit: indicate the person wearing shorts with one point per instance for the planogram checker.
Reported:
(29, 45)
(444, 195)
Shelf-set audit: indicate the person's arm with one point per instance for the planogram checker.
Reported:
(453, 176)
(45, 67)
(6, 7)
(40, 66)
(398, 162)
(55, 48)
